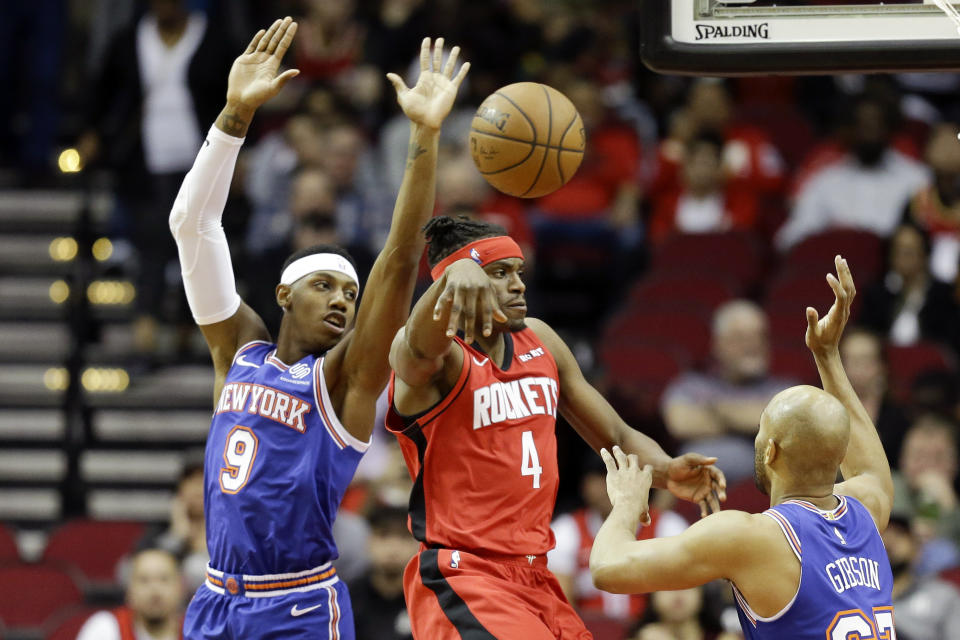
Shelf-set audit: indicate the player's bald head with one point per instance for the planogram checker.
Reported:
(811, 429)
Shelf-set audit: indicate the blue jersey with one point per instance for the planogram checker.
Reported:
(845, 577)
(278, 462)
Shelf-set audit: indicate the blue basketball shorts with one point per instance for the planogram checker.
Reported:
(242, 609)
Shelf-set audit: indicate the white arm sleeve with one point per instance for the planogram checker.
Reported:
(195, 224)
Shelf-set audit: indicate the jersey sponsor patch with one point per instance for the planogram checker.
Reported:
(299, 370)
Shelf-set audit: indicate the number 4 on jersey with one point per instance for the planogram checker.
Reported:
(530, 461)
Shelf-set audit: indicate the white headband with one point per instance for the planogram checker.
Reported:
(318, 262)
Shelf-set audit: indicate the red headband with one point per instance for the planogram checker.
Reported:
(483, 252)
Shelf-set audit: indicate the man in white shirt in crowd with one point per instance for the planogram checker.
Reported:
(154, 603)
(867, 189)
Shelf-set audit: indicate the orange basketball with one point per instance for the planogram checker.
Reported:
(527, 139)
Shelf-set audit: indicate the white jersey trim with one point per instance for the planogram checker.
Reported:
(783, 523)
(322, 396)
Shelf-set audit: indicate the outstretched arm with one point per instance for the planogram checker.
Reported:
(745, 548)
(364, 369)
(421, 353)
(691, 477)
(865, 468)
(208, 278)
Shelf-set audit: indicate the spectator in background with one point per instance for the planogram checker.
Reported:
(909, 304)
(31, 40)
(363, 207)
(330, 40)
(863, 359)
(680, 615)
(750, 160)
(717, 412)
(706, 201)
(867, 188)
(927, 608)
(185, 535)
(604, 189)
(154, 603)
(924, 486)
(461, 190)
(936, 208)
(569, 560)
(379, 609)
(161, 84)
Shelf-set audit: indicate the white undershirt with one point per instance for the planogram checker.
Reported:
(171, 133)
(103, 626)
(701, 215)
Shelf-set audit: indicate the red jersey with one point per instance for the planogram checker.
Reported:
(484, 459)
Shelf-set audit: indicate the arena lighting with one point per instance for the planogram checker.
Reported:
(105, 379)
(102, 249)
(56, 379)
(111, 292)
(69, 161)
(59, 291)
(63, 249)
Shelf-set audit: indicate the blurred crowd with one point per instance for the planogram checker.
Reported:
(779, 160)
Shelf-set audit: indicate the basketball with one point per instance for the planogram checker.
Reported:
(527, 139)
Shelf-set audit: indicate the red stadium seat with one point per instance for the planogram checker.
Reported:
(664, 290)
(794, 363)
(735, 254)
(906, 363)
(795, 289)
(93, 547)
(671, 328)
(863, 250)
(31, 594)
(9, 552)
(66, 625)
(951, 575)
(639, 371)
(787, 325)
(743, 496)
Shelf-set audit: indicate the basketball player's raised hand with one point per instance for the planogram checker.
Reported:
(823, 334)
(430, 100)
(467, 290)
(253, 77)
(628, 486)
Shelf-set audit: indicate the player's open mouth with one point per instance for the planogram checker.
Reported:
(336, 321)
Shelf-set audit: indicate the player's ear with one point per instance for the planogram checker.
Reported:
(770, 452)
(284, 296)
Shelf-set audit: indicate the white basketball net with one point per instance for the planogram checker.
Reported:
(950, 10)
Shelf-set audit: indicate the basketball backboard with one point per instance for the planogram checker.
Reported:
(754, 37)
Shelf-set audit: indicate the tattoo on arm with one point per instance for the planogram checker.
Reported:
(415, 152)
(233, 124)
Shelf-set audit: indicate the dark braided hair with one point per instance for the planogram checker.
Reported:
(446, 235)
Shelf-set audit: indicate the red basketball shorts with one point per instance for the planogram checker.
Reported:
(454, 595)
